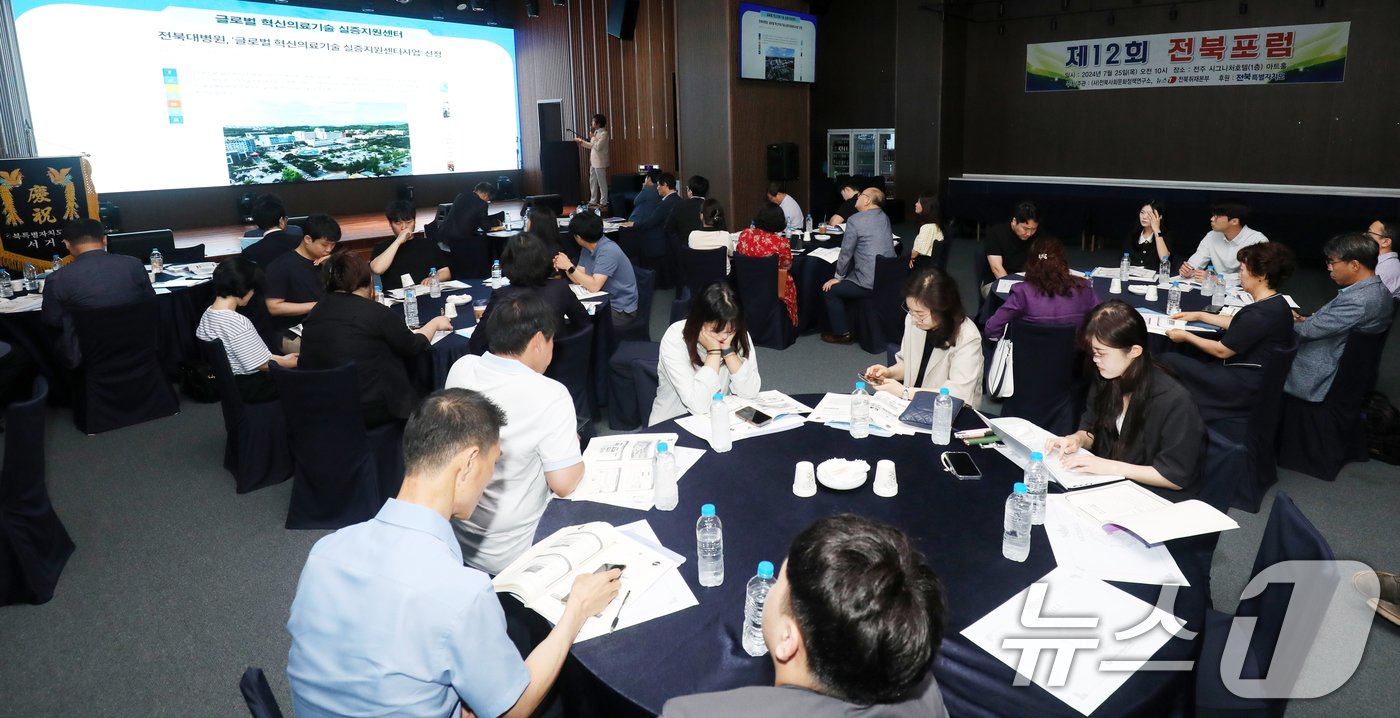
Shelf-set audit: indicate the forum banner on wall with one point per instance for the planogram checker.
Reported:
(38, 197)
(1285, 54)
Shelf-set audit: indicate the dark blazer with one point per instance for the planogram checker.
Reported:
(646, 202)
(270, 247)
(685, 218)
(350, 328)
(93, 279)
(555, 292)
(1172, 437)
(469, 214)
(650, 234)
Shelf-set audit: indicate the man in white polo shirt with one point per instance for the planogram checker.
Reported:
(539, 443)
(1228, 234)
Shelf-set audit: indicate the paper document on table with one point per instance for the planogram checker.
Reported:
(454, 284)
(826, 254)
(582, 293)
(1135, 274)
(1149, 517)
(785, 411)
(617, 469)
(667, 595)
(1158, 323)
(1084, 548)
(1101, 662)
(1022, 437)
(26, 303)
(178, 283)
(1005, 285)
(834, 410)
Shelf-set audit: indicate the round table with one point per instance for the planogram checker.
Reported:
(956, 524)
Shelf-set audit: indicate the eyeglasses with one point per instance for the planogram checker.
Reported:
(921, 314)
(1330, 261)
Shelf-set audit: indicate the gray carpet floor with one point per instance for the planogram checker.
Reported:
(178, 583)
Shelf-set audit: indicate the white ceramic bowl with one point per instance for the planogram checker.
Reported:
(842, 474)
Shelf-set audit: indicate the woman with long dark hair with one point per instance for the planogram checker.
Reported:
(1139, 422)
(929, 249)
(941, 346)
(1147, 245)
(1050, 294)
(709, 351)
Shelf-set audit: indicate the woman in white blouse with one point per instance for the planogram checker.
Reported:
(941, 345)
(712, 234)
(248, 357)
(710, 351)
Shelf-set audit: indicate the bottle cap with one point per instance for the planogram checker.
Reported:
(719, 396)
(1125, 254)
(765, 569)
(860, 385)
(432, 269)
(707, 510)
(943, 391)
(661, 446)
(1019, 488)
(1037, 456)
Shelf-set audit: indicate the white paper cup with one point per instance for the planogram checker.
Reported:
(886, 484)
(804, 479)
(1116, 286)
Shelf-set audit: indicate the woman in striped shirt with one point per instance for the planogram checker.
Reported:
(248, 356)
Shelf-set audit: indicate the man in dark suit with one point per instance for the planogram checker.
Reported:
(686, 217)
(648, 198)
(93, 279)
(266, 223)
(275, 240)
(470, 213)
(648, 237)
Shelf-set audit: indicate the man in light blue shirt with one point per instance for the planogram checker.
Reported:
(387, 620)
(1384, 231)
(602, 267)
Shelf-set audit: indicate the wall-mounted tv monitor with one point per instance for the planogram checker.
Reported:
(202, 93)
(779, 45)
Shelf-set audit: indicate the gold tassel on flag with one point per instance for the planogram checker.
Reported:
(10, 181)
(60, 178)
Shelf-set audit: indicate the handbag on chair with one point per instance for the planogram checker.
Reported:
(1000, 379)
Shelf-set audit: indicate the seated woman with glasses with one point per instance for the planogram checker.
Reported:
(1140, 423)
(349, 325)
(709, 351)
(941, 346)
(1227, 388)
(528, 262)
(763, 240)
(1050, 294)
(248, 356)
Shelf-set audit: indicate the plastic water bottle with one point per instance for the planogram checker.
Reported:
(1174, 298)
(57, 263)
(1208, 283)
(496, 272)
(1124, 267)
(1037, 476)
(31, 278)
(807, 224)
(720, 440)
(709, 547)
(754, 597)
(378, 287)
(157, 260)
(1164, 270)
(7, 288)
(942, 418)
(410, 309)
(434, 286)
(860, 412)
(665, 493)
(1016, 533)
(1218, 299)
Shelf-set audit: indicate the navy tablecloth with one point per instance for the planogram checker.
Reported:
(956, 524)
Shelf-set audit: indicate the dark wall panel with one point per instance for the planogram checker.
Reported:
(702, 95)
(856, 69)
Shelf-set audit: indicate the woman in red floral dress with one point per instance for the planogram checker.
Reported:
(762, 240)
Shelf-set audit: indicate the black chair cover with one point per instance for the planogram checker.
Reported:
(756, 281)
(34, 546)
(632, 382)
(570, 368)
(680, 306)
(1288, 536)
(256, 450)
(122, 381)
(182, 255)
(336, 479)
(1244, 447)
(702, 267)
(1047, 367)
(258, 694)
(140, 244)
(1319, 438)
(639, 329)
(877, 320)
(469, 256)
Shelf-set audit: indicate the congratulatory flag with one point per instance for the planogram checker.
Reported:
(38, 197)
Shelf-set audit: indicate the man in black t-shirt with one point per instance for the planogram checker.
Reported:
(1007, 245)
(294, 282)
(847, 210)
(407, 253)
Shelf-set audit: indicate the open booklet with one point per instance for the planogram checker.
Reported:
(1022, 437)
(617, 469)
(1158, 323)
(834, 410)
(785, 412)
(582, 293)
(544, 576)
(1149, 517)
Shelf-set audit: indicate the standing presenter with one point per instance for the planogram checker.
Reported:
(597, 146)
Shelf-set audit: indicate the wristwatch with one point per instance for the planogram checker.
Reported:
(724, 353)
(571, 269)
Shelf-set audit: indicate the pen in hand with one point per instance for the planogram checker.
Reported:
(620, 606)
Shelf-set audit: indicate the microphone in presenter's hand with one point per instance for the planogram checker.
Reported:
(570, 130)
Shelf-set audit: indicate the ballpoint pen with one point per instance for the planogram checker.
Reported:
(620, 606)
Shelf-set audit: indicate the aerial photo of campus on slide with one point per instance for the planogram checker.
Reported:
(303, 153)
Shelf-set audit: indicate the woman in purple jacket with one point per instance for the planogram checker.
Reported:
(1050, 294)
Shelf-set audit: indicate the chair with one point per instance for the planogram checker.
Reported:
(552, 201)
(1047, 368)
(34, 546)
(639, 329)
(1244, 447)
(570, 368)
(1288, 536)
(877, 319)
(120, 379)
(256, 451)
(140, 244)
(632, 382)
(703, 267)
(1319, 438)
(340, 468)
(756, 281)
(469, 256)
(182, 255)
(680, 306)
(258, 694)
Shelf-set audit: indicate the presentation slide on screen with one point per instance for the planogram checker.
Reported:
(777, 44)
(201, 93)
